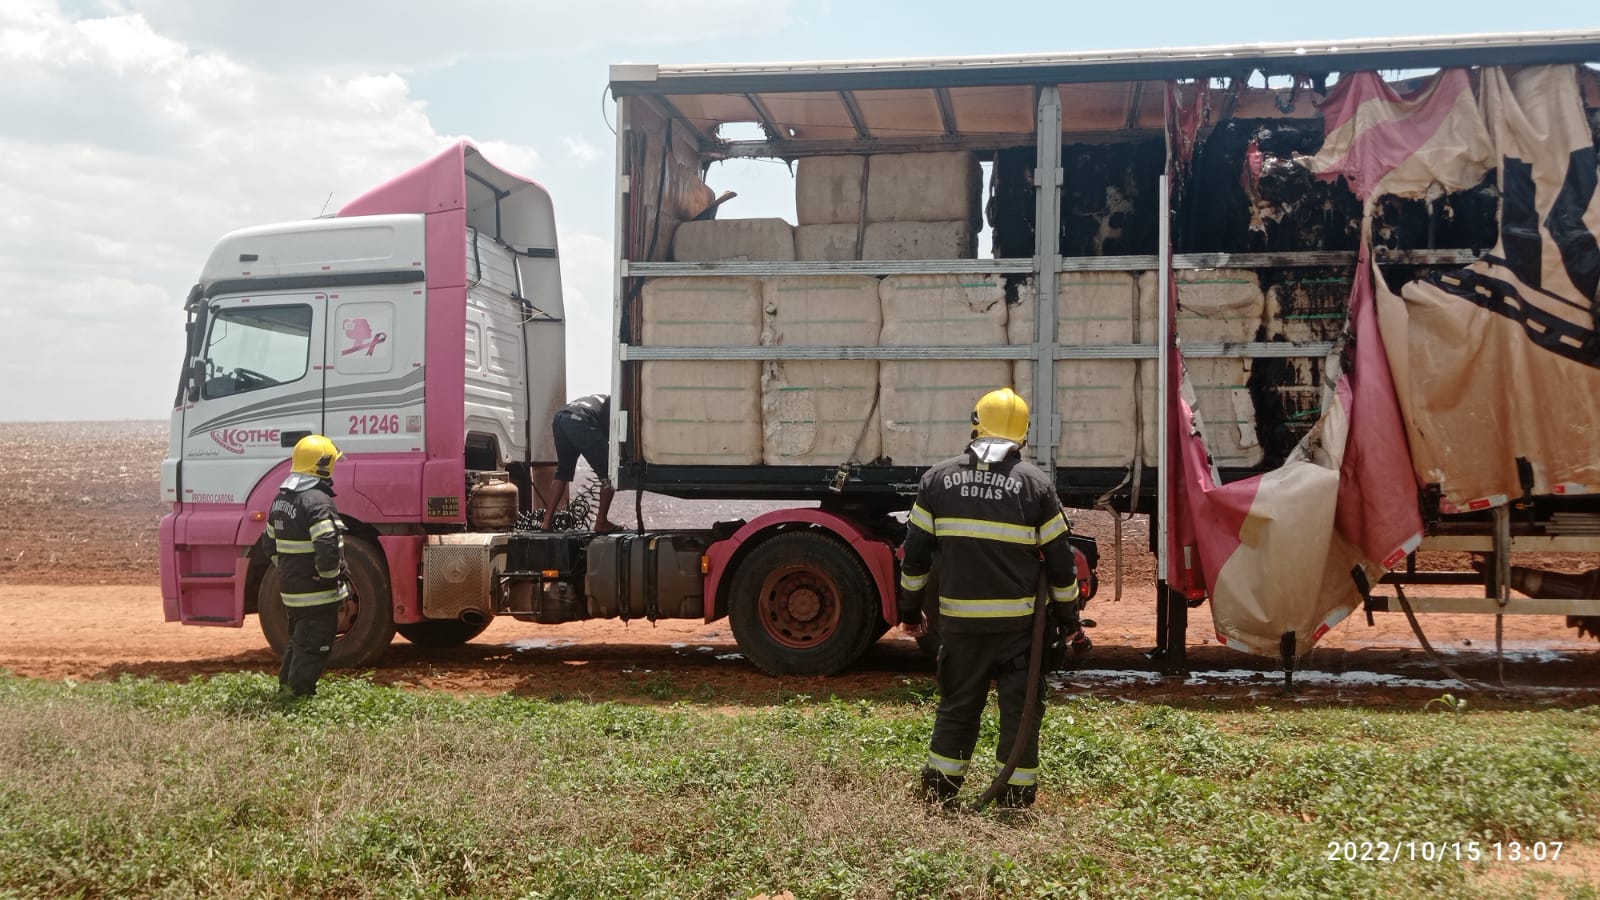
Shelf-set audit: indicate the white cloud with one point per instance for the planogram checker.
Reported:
(407, 35)
(126, 154)
(582, 151)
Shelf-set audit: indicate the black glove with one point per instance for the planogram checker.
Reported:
(1065, 617)
(910, 607)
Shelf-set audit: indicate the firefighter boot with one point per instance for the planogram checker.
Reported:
(1018, 796)
(939, 789)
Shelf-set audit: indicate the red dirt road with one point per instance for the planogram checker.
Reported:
(100, 632)
(78, 599)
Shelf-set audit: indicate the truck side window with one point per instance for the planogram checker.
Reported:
(252, 348)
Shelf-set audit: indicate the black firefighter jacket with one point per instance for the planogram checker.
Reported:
(992, 524)
(306, 536)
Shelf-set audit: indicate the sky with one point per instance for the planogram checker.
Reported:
(134, 133)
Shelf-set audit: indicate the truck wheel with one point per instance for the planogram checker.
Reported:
(366, 620)
(442, 633)
(802, 604)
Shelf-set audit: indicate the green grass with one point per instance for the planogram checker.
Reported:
(214, 788)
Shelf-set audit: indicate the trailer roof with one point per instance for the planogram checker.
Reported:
(1303, 57)
(807, 108)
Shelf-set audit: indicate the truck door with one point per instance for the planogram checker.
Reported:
(372, 363)
(260, 390)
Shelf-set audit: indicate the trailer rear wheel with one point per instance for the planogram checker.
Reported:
(442, 633)
(802, 604)
(366, 620)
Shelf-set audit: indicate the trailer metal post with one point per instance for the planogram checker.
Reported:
(1047, 178)
(1502, 584)
(618, 426)
(1163, 367)
(1286, 649)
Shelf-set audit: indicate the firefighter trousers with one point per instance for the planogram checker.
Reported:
(311, 633)
(968, 663)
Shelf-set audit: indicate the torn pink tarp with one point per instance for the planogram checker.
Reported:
(1276, 551)
(1500, 361)
(1265, 547)
(1377, 508)
(1384, 142)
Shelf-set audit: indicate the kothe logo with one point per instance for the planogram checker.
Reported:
(235, 440)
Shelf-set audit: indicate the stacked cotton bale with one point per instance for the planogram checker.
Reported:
(820, 412)
(917, 206)
(1216, 306)
(1305, 308)
(1097, 399)
(1149, 332)
(926, 405)
(734, 240)
(699, 412)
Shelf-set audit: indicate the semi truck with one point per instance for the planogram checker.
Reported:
(422, 328)
(1181, 257)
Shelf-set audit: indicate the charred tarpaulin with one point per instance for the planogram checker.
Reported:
(1244, 194)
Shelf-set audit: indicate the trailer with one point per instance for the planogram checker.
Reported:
(1167, 275)
(1183, 248)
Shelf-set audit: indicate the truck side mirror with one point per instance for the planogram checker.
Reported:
(192, 379)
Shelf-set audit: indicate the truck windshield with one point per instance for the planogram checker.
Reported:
(250, 349)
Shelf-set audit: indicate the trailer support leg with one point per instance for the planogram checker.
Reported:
(1172, 633)
(1286, 648)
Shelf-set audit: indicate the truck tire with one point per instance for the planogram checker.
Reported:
(366, 624)
(442, 633)
(802, 604)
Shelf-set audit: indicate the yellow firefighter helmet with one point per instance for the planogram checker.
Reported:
(315, 455)
(1001, 414)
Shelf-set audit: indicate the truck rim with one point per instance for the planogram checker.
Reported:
(799, 606)
(349, 609)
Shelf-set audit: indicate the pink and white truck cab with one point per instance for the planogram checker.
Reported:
(421, 328)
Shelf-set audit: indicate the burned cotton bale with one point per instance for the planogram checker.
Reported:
(1245, 193)
(1458, 220)
(1110, 203)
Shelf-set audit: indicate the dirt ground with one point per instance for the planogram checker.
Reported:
(79, 599)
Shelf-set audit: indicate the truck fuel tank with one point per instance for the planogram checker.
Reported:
(544, 576)
(647, 576)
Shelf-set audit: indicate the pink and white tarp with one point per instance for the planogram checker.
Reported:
(1500, 361)
(1476, 381)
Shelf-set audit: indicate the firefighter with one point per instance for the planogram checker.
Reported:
(583, 427)
(306, 537)
(994, 518)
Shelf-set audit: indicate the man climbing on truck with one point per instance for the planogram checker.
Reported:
(991, 515)
(582, 427)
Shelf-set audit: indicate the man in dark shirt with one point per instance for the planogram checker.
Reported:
(583, 427)
(994, 518)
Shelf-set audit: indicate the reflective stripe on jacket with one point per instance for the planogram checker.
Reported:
(993, 525)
